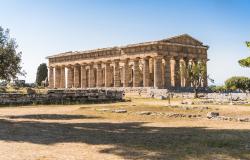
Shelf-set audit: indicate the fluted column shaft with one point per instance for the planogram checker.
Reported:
(157, 72)
(99, 75)
(107, 75)
(182, 72)
(126, 74)
(51, 77)
(117, 78)
(57, 77)
(136, 78)
(76, 76)
(83, 76)
(167, 73)
(146, 75)
(62, 81)
(70, 77)
(91, 76)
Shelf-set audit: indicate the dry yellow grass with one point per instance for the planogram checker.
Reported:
(79, 132)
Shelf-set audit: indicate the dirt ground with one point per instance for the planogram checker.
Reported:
(94, 131)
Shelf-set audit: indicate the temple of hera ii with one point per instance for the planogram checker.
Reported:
(157, 64)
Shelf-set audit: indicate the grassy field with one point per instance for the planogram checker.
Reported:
(95, 131)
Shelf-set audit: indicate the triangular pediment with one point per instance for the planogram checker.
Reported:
(183, 39)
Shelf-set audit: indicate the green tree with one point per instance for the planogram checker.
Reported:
(41, 74)
(241, 83)
(244, 62)
(10, 59)
(196, 73)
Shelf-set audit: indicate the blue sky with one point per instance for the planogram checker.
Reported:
(47, 27)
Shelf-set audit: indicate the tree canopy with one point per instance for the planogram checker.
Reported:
(10, 59)
(41, 74)
(241, 83)
(244, 62)
(196, 73)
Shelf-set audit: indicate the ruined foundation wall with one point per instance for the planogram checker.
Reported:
(62, 97)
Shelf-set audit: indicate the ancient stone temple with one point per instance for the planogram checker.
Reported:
(157, 64)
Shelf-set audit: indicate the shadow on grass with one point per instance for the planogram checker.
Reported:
(52, 117)
(135, 140)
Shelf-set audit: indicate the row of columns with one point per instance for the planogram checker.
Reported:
(162, 72)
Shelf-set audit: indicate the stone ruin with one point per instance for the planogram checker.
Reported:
(57, 96)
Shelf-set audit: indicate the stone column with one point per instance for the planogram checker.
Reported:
(146, 78)
(99, 75)
(175, 72)
(126, 73)
(136, 78)
(76, 76)
(167, 73)
(83, 76)
(107, 75)
(57, 76)
(157, 72)
(91, 76)
(70, 77)
(188, 65)
(51, 77)
(182, 72)
(62, 82)
(117, 78)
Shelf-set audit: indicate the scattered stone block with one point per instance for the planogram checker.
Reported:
(120, 111)
(212, 114)
(145, 113)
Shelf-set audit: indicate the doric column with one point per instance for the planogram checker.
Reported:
(126, 73)
(136, 73)
(70, 77)
(83, 76)
(51, 77)
(77, 76)
(62, 81)
(182, 72)
(188, 65)
(107, 75)
(175, 72)
(91, 76)
(117, 78)
(57, 76)
(167, 72)
(157, 72)
(146, 77)
(99, 75)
